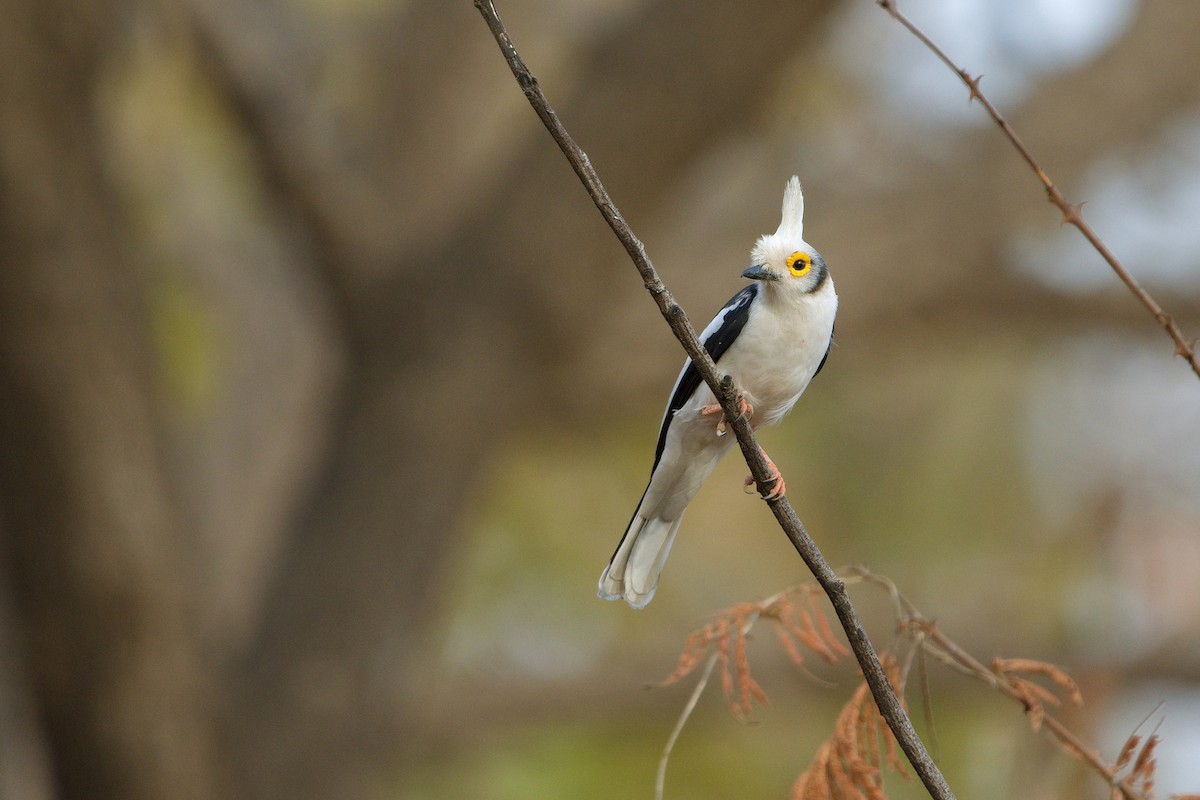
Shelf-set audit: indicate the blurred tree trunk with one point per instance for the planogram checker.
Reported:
(92, 533)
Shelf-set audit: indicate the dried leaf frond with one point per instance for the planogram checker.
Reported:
(799, 625)
(1135, 765)
(1144, 766)
(1033, 695)
(1028, 666)
(1127, 751)
(727, 633)
(850, 763)
(798, 621)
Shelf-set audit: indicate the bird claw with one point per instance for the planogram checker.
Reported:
(714, 409)
(778, 488)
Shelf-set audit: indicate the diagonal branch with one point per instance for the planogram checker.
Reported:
(1072, 213)
(723, 389)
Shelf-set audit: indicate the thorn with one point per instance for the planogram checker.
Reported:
(972, 85)
(1072, 213)
(1186, 349)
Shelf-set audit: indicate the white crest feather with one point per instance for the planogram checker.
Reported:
(792, 224)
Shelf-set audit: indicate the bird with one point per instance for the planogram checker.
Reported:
(771, 338)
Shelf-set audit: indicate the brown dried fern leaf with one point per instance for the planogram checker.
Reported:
(1033, 695)
(1132, 774)
(1009, 667)
(813, 784)
(850, 763)
(1144, 765)
(1127, 752)
(826, 631)
(798, 626)
(1139, 775)
(795, 627)
(727, 633)
(695, 647)
(799, 622)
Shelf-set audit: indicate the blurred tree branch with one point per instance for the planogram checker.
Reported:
(1072, 213)
(722, 387)
(976, 193)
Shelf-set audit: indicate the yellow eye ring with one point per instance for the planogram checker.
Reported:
(799, 263)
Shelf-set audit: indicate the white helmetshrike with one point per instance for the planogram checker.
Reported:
(772, 337)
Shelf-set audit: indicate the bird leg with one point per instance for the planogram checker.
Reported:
(777, 486)
(744, 408)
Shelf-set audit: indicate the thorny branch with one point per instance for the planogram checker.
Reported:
(725, 393)
(1072, 213)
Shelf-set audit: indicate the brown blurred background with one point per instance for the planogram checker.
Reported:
(325, 393)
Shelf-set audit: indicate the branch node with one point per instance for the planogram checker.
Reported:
(1045, 179)
(972, 86)
(1072, 213)
(728, 391)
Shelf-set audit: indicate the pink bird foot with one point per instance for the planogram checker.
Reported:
(778, 489)
(715, 409)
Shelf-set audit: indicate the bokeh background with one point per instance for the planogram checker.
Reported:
(325, 393)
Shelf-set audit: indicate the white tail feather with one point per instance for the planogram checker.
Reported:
(633, 573)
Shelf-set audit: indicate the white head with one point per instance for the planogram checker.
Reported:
(783, 259)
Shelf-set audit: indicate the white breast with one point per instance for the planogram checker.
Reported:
(779, 350)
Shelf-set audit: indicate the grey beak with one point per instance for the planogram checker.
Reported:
(760, 272)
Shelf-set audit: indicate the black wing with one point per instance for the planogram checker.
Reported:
(825, 357)
(716, 338)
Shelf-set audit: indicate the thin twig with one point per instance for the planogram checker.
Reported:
(1072, 213)
(661, 779)
(726, 395)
